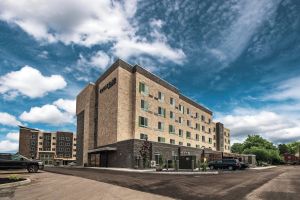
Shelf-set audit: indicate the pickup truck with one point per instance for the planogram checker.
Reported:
(17, 161)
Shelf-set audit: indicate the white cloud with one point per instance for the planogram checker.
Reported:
(99, 60)
(8, 120)
(95, 22)
(62, 111)
(48, 114)
(29, 82)
(13, 136)
(286, 90)
(269, 124)
(66, 105)
(249, 17)
(8, 146)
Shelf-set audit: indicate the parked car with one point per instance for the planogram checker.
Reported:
(244, 165)
(17, 161)
(231, 164)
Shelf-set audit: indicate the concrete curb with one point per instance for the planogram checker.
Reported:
(186, 173)
(15, 184)
(261, 168)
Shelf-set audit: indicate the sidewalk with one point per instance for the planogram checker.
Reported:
(49, 186)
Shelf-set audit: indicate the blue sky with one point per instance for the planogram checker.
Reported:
(238, 58)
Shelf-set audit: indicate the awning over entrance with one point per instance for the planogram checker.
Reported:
(102, 149)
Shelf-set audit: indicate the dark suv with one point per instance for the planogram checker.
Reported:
(231, 164)
(17, 161)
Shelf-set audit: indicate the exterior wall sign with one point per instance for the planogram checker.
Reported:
(108, 85)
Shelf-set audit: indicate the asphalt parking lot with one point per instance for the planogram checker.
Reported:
(277, 183)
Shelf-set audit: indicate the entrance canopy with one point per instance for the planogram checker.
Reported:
(102, 149)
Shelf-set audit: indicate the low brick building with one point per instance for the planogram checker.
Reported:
(128, 105)
(50, 147)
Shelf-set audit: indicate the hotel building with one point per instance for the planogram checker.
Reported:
(53, 148)
(128, 105)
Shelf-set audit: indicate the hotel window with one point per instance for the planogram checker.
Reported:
(203, 138)
(214, 144)
(160, 126)
(203, 128)
(188, 135)
(171, 129)
(209, 121)
(172, 101)
(61, 143)
(143, 136)
(197, 137)
(53, 149)
(214, 129)
(53, 143)
(62, 138)
(209, 140)
(197, 126)
(33, 136)
(161, 111)
(161, 96)
(188, 123)
(225, 147)
(32, 149)
(214, 137)
(228, 141)
(143, 88)
(172, 115)
(187, 111)
(144, 105)
(161, 139)
(172, 141)
(209, 130)
(197, 146)
(143, 121)
(181, 108)
(68, 144)
(188, 144)
(197, 115)
(32, 142)
(40, 143)
(40, 149)
(41, 137)
(180, 143)
(180, 120)
(54, 138)
(202, 118)
(180, 133)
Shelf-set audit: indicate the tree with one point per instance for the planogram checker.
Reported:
(283, 148)
(237, 148)
(258, 141)
(261, 154)
(293, 147)
(145, 152)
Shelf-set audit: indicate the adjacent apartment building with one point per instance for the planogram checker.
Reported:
(128, 105)
(53, 148)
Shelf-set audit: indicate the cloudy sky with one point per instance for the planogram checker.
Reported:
(240, 58)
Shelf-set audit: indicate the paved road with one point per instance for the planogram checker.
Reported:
(51, 186)
(277, 183)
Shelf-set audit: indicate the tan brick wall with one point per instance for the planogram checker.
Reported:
(85, 101)
(152, 131)
(107, 111)
(125, 105)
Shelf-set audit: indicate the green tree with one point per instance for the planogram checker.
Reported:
(293, 147)
(237, 148)
(283, 148)
(258, 141)
(262, 154)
